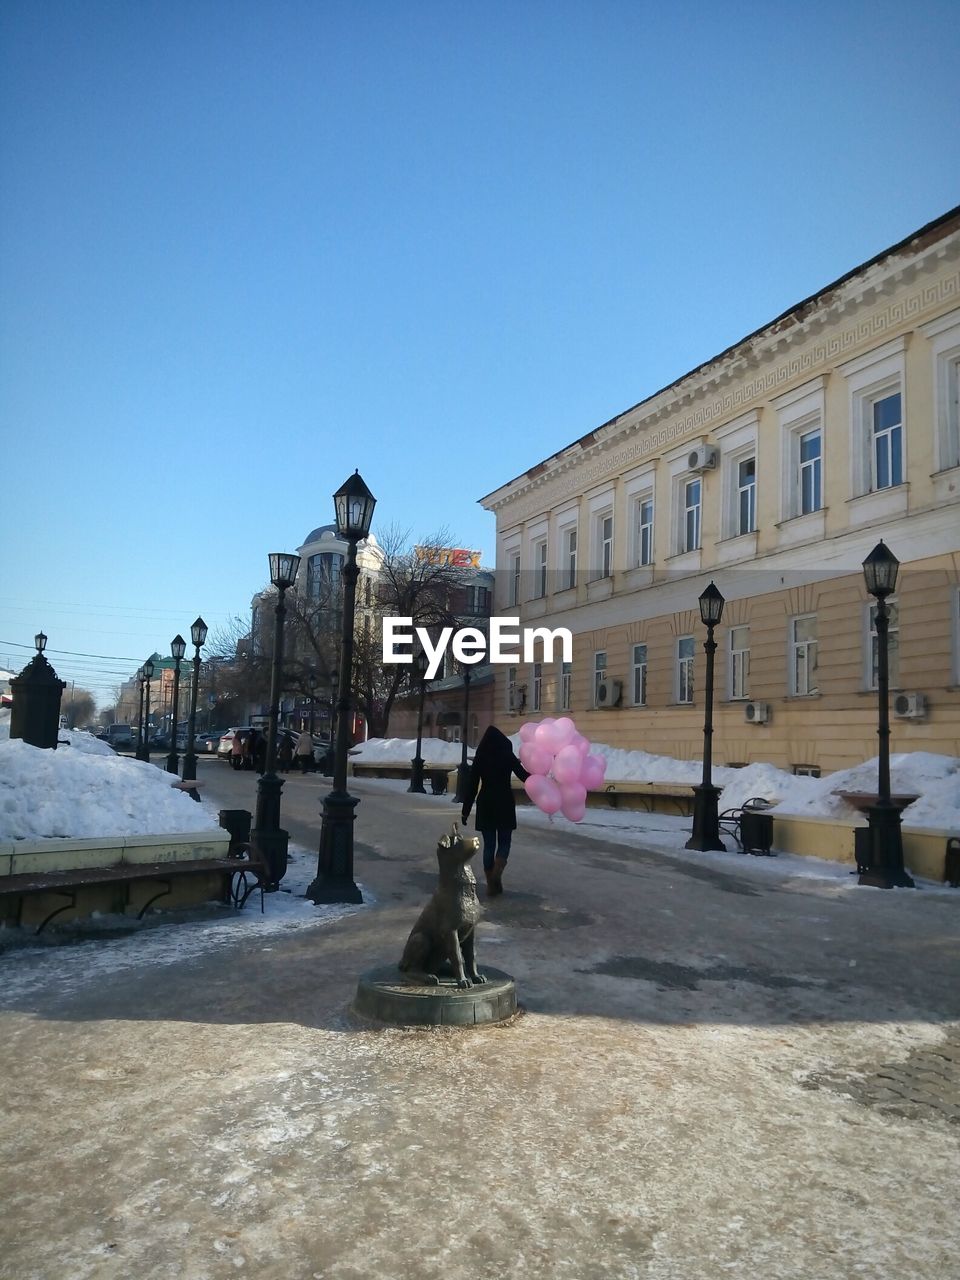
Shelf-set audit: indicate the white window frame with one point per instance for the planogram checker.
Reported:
(603, 528)
(639, 672)
(737, 442)
(886, 441)
(746, 490)
(565, 683)
(511, 688)
(639, 489)
(871, 378)
(599, 672)
(684, 675)
(567, 540)
(540, 568)
(643, 553)
(808, 686)
(515, 578)
(809, 467)
(510, 548)
(870, 649)
(691, 515)
(738, 663)
(800, 412)
(944, 336)
(537, 682)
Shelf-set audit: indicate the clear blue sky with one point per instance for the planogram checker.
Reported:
(248, 247)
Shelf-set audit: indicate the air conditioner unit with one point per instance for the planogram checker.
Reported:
(703, 458)
(910, 706)
(609, 693)
(756, 712)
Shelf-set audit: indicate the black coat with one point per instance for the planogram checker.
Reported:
(489, 784)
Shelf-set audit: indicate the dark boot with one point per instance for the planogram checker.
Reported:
(499, 866)
(492, 887)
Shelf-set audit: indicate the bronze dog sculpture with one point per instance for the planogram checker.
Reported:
(441, 943)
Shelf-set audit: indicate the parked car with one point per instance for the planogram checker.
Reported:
(121, 737)
(206, 743)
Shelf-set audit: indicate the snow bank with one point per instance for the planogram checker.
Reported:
(402, 751)
(81, 793)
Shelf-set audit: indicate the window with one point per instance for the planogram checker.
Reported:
(691, 515)
(746, 495)
(477, 602)
(887, 421)
(876, 382)
(537, 684)
(685, 651)
(566, 673)
(944, 335)
(893, 645)
(323, 575)
(514, 578)
(739, 662)
(639, 675)
(643, 530)
(511, 688)
(803, 655)
(806, 770)
(809, 484)
(540, 568)
(605, 541)
(599, 674)
(569, 557)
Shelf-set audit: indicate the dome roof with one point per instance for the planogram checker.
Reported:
(317, 534)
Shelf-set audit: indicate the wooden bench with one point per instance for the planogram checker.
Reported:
(241, 878)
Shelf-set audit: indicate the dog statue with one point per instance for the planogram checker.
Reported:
(441, 943)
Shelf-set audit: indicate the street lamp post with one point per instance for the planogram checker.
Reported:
(148, 669)
(706, 826)
(198, 634)
(178, 647)
(266, 838)
(463, 769)
(885, 867)
(139, 751)
(420, 662)
(354, 504)
(312, 683)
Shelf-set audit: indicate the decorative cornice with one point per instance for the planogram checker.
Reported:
(614, 453)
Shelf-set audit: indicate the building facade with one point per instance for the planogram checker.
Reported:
(773, 470)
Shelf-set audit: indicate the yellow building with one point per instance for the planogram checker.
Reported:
(772, 469)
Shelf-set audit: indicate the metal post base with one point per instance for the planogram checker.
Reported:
(334, 880)
(706, 825)
(416, 774)
(885, 869)
(463, 782)
(173, 762)
(189, 767)
(268, 802)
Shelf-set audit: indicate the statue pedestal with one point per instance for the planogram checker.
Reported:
(405, 1000)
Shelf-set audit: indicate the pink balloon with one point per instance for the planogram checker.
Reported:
(535, 759)
(544, 793)
(527, 730)
(573, 807)
(591, 774)
(564, 731)
(543, 734)
(567, 765)
(581, 743)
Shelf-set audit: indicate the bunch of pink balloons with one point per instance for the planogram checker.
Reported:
(560, 765)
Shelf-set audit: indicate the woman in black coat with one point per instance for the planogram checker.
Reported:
(489, 785)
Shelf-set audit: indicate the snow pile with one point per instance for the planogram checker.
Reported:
(82, 794)
(402, 751)
(934, 778)
(4, 723)
(81, 740)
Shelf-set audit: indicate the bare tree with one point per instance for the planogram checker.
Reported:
(78, 705)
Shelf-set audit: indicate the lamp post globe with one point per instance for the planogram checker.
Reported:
(706, 819)
(198, 636)
(883, 866)
(354, 505)
(420, 664)
(178, 647)
(267, 840)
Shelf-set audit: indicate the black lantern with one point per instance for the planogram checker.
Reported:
(267, 839)
(40, 640)
(420, 664)
(148, 670)
(883, 862)
(706, 825)
(354, 504)
(178, 647)
(198, 635)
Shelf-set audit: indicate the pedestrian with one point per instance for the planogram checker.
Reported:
(236, 750)
(260, 752)
(304, 750)
(285, 753)
(489, 784)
